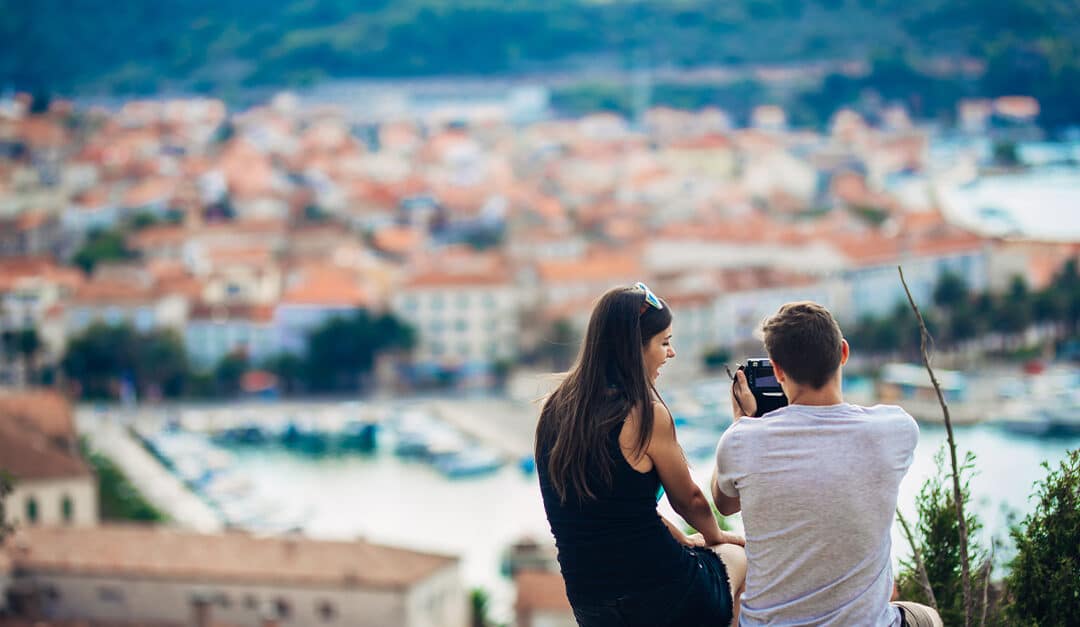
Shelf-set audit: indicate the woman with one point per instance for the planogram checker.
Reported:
(605, 452)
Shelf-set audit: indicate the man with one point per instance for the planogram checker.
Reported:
(817, 484)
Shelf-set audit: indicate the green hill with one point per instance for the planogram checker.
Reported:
(94, 47)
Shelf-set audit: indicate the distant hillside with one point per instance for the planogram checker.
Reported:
(209, 45)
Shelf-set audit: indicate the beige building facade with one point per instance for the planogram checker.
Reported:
(136, 574)
(61, 501)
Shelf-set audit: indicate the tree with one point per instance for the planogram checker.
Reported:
(1067, 283)
(936, 538)
(6, 486)
(289, 369)
(716, 358)
(228, 372)
(1012, 312)
(104, 355)
(102, 246)
(1006, 154)
(1044, 583)
(161, 362)
(28, 345)
(561, 344)
(951, 291)
(343, 349)
(143, 220)
(478, 606)
(98, 357)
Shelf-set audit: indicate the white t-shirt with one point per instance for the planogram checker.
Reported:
(818, 488)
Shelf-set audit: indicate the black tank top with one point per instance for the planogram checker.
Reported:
(615, 544)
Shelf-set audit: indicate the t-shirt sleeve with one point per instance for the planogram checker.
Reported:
(727, 462)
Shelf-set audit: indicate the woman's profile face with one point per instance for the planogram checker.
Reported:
(657, 351)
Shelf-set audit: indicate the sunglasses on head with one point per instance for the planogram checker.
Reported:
(651, 300)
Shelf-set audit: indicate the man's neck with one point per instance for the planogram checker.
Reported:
(829, 394)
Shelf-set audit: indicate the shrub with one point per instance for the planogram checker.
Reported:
(1044, 584)
(937, 537)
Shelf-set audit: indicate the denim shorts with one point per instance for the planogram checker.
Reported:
(701, 599)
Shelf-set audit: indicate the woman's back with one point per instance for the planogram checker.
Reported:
(615, 543)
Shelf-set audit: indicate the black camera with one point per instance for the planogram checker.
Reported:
(763, 385)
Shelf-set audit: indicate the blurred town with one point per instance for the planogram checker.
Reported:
(181, 284)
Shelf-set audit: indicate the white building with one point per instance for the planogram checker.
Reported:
(32, 293)
(212, 332)
(461, 317)
(52, 484)
(119, 300)
(142, 575)
(739, 310)
(875, 283)
(312, 297)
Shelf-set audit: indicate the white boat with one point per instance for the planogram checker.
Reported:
(468, 463)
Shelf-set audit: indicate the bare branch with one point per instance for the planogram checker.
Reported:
(965, 566)
(920, 567)
(984, 572)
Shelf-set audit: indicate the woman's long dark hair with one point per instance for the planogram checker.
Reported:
(604, 386)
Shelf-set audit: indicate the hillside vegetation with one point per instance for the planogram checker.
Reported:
(1026, 46)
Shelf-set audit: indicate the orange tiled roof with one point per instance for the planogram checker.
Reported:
(253, 313)
(257, 381)
(112, 291)
(14, 621)
(151, 552)
(540, 590)
(29, 454)
(148, 191)
(688, 299)
(47, 410)
(40, 131)
(444, 279)
(159, 235)
(596, 267)
(254, 255)
(15, 269)
(326, 286)
(398, 240)
(709, 141)
(29, 220)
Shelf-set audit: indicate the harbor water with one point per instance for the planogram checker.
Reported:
(385, 498)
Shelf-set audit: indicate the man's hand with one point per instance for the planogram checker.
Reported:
(743, 402)
(728, 537)
(694, 539)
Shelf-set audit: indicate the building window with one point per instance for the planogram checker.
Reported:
(326, 610)
(463, 301)
(52, 594)
(67, 509)
(282, 607)
(110, 594)
(31, 510)
(250, 602)
(437, 302)
(461, 325)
